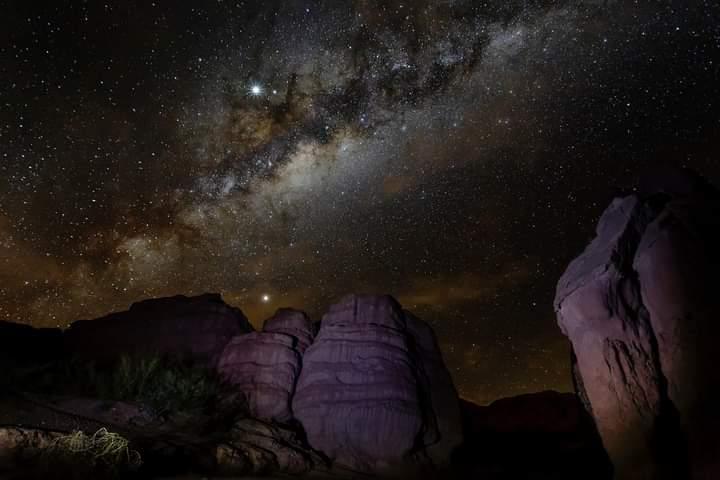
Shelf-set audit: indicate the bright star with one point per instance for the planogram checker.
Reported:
(266, 298)
(256, 90)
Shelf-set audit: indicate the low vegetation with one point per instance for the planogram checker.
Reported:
(166, 385)
(103, 454)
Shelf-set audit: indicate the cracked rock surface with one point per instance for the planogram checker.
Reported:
(640, 308)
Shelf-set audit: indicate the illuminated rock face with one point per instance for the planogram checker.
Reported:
(265, 365)
(364, 395)
(293, 323)
(197, 327)
(641, 309)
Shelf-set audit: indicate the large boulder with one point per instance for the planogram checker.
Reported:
(363, 396)
(265, 365)
(640, 308)
(195, 327)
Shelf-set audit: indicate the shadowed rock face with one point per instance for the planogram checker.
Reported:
(24, 344)
(265, 365)
(196, 326)
(640, 308)
(544, 435)
(259, 448)
(364, 394)
(443, 432)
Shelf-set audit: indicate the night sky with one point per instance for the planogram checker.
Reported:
(453, 153)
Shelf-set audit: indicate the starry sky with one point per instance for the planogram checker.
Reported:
(453, 153)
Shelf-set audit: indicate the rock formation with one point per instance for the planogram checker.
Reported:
(640, 308)
(20, 445)
(196, 326)
(265, 365)
(259, 448)
(293, 323)
(364, 396)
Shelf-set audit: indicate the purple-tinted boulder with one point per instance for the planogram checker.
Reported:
(265, 365)
(362, 394)
(294, 323)
(640, 307)
(197, 327)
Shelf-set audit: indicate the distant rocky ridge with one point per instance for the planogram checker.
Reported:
(544, 435)
(199, 327)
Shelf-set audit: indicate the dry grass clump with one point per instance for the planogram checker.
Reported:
(102, 454)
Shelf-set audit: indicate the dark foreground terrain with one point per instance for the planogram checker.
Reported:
(198, 392)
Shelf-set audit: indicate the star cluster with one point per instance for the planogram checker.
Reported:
(453, 153)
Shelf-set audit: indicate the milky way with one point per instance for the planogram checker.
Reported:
(455, 154)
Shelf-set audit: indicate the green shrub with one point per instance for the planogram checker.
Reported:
(164, 384)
